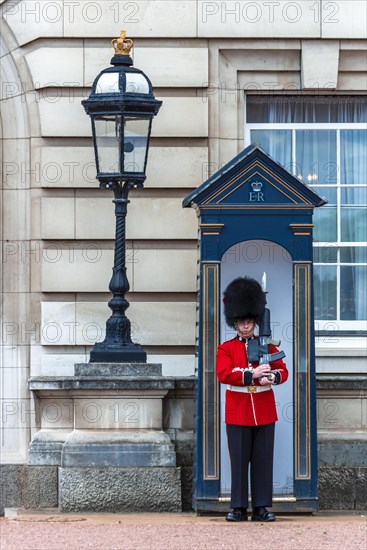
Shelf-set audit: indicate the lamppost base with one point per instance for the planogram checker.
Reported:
(133, 353)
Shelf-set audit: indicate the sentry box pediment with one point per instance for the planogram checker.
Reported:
(252, 180)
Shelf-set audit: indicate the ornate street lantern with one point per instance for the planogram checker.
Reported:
(121, 106)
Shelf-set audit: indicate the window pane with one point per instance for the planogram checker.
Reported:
(353, 254)
(277, 143)
(135, 144)
(325, 292)
(353, 224)
(108, 83)
(325, 224)
(327, 193)
(354, 195)
(108, 135)
(353, 299)
(316, 156)
(353, 157)
(136, 83)
(325, 254)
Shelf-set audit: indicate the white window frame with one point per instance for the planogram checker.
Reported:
(336, 324)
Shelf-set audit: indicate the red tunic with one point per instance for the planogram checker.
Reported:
(244, 408)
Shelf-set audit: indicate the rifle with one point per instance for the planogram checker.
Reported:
(258, 348)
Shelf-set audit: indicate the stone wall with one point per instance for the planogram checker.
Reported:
(342, 441)
(26, 486)
(342, 453)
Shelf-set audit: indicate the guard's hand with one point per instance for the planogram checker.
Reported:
(265, 380)
(261, 370)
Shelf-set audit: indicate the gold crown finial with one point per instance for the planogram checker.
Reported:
(122, 45)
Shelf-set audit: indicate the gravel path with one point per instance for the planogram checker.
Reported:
(54, 531)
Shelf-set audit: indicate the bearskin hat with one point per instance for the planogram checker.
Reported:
(243, 299)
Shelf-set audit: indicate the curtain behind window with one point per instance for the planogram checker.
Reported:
(303, 109)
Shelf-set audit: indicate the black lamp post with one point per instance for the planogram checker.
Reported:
(121, 106)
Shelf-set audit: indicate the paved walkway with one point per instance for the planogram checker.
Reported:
(50, 530)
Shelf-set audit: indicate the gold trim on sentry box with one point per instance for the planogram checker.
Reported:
(210, 325)
(302, 336)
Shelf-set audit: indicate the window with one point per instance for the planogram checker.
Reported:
(323, 141)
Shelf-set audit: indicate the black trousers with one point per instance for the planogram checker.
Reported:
(251, 445)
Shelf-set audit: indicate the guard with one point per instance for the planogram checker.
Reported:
(250, 366)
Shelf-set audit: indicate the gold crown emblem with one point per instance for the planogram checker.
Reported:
(122, 45)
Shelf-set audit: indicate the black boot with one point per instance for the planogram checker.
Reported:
(237, 514)
(262, 514)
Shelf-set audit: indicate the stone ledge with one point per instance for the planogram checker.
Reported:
(341, 436)
(133, 455)
(41, 383)
(117, 369)
(185, 382)
(341, 382)
(341, 352)
(341, 454)
(113, 382)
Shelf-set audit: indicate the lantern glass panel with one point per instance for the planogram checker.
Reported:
(108, 83)
(108, 142)
(135, 144)
(136, 83)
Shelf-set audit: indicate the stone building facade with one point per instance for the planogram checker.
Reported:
(207, 60)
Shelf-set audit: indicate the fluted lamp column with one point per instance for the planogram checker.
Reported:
(121, 106)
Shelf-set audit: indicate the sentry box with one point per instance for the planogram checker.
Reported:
(255, 218)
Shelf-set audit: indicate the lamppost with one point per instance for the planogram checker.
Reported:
(121, 106)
